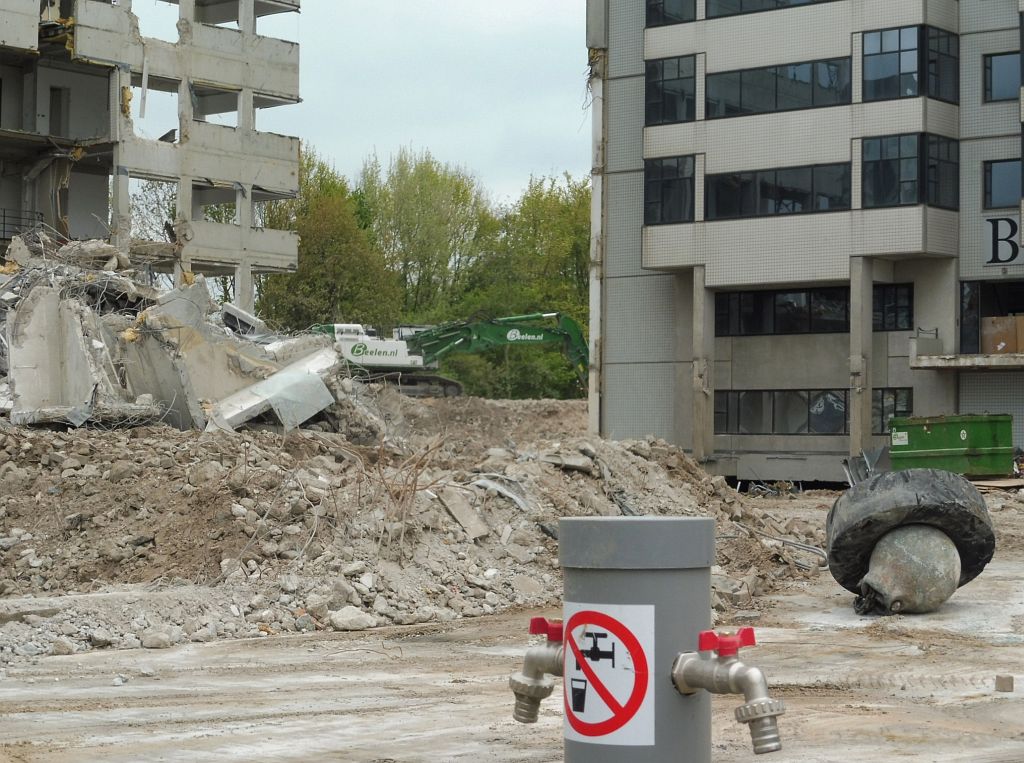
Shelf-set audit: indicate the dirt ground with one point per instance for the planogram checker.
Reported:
(245, 559)
(871, 689)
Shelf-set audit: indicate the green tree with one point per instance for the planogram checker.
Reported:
(540, 259)
(430, 220)
(341, 277)
(538, 262)
(317, 179)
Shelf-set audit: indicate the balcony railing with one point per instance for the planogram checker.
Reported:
(13, 222)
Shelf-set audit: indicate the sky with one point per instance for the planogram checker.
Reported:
(498, 89)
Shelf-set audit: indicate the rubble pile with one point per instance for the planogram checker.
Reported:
(89, 345)
(171, 470)
(153, 536)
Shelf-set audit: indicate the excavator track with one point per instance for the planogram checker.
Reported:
(415, 384)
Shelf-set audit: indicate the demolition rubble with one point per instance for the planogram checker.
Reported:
(85, 345)
(172, 471)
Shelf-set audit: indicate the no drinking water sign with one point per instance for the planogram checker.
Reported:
(609, 655)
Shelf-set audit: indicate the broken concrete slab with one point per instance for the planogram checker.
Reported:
(209, 363)
(19, 615)
(463, 512)
(509, 491)
(97, 255)
(18, 251)
(571, 462)
(60, 369)
(352, 619)
(241, 321)
(286, 351)
(295, 394)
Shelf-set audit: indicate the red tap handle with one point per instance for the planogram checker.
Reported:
(727, 645)
(541, 626)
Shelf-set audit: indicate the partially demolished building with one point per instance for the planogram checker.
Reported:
(74, 77)
(807, 222)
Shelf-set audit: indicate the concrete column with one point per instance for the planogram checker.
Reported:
(182, 226)
(246, 111)
(861, 343)
(187, 10)
(29, 83)
(703, 366)
(245, 294)
(120, 205)
(245, 291)
(120, 192)
(247, 16)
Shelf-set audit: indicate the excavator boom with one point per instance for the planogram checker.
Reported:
(476, 336)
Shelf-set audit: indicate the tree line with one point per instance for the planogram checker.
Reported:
(417, 241)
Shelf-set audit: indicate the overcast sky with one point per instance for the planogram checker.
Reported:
(497, 88)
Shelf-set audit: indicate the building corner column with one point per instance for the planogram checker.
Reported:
(597, 46)
(861, 351)
(703, 445)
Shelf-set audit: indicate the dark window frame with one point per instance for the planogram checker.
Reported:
(710, 109)
(892, 307)
(686, 181)
(936, 52)
(727, 407)
(987, 184)
(879, 422)
(656, 16)
(758, 178)
(942, 65)
(656, 85)
(929, 167)
(776, 7)
(729, 311)
(942, 171)
(986, 91)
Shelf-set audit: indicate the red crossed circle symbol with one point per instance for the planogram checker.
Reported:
(622, 713)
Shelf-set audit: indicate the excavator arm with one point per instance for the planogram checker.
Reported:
(476, 336)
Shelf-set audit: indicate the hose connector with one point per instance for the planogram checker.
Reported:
(723, 673)
(534, 683)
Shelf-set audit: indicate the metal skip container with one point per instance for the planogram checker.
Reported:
(635, 590)
(972, 445)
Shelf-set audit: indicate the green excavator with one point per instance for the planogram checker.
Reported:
(410, 358)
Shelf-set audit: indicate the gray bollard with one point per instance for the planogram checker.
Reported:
(637, 591)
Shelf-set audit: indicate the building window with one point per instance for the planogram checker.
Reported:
(1002, 77)
(894, 307)
(778, 88)
(970, 317)
(887, 403)
(797, 311)
(891, 171)
(792, 190)
(1002, 184)
(894, 166)
(891, 64)
(668, 190)
(894, 60)
(664, 12)
(716, 8)
(943, 65)
(671, 91)
(943, 172)
(793, 412)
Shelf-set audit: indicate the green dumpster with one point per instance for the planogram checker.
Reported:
(975, 446)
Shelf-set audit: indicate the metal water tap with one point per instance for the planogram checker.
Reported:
(534, 682)
(725, 674)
